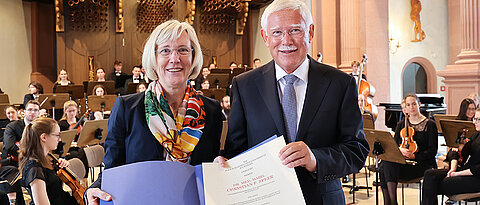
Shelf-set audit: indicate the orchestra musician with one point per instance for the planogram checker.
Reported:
(172, 56)
(426, 137)
(460, 178)
(35, 89)
(70, 115)
(38, 175)
(467, 110)
(100, 74)
(62, 79)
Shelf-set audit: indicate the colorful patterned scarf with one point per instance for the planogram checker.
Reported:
(179, 135)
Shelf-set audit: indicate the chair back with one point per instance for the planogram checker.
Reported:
(77, 167)
(95, 155)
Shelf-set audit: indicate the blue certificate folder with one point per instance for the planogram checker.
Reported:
(156, 182)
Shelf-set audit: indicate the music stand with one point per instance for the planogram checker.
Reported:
(216, 94)
(238, 71)
(368, 121)
(101, 103)
(453, 128)
(93, 132)
(75, 91)
(382, 146)
(218, 80)
(109, 86)
(3, 115)
(50, 101)
(132, 87)
(220, 70)
(439, 117)
(67, 138)
(4, 99)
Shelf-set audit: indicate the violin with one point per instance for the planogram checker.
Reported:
(407, 137)
(78, 126)
(366, 89)
(67, 177)
(464, 145)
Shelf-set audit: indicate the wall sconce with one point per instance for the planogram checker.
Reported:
(394, 42)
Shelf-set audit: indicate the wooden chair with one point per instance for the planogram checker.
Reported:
(4, 99)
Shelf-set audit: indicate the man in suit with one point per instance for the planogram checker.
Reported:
(356, 70)
(295, 91)
(14, 130)
(136, 77)
(118, 76)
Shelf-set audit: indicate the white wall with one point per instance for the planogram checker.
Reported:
(15, 53)
(434, 19)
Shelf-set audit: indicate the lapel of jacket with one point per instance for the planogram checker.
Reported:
(267, 86)
(317, 86)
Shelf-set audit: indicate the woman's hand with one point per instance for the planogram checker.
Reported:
(94, 194)
(406, 153)
(450, 172)
(63, 163)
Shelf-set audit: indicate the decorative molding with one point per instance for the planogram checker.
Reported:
(59, 16)
(120, 17)
(150, 14)
(190, 12)
(242, 18)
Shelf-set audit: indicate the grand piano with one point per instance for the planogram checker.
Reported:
(430, 104)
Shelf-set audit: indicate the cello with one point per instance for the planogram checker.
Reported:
(407, 137)
(366, 89)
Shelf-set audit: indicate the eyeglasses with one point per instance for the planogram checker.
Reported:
(476, 119)
(182, 51)
(293, 32)
(471, 109)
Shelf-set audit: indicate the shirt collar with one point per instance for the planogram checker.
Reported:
(301, 72)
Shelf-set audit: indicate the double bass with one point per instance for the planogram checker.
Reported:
(366, 89)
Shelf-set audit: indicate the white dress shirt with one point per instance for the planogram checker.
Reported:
(300, 84)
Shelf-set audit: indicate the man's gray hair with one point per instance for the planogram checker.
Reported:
(278, 5)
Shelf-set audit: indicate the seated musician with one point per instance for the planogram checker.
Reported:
(205, 85)
(99, 90)
(12, 115)
(467, 110)
(141, 87)
(426, 138)
(361, 104)
(62, 80)
(100, 74)
(69, 118)
(38, 175)
(14, 131)
(34, 89)
(462, 177)
(201, 78)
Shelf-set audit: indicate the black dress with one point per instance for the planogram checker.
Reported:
(34, 170)
(426, 137)
(435, 182)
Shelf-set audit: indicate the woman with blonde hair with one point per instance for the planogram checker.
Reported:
(172, 56)
(38, 172)
(70, 114)
(62, 79)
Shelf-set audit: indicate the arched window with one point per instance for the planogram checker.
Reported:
(414, 79)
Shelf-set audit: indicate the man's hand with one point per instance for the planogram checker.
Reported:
(298, 154)
(94, 194)
(220, 161)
